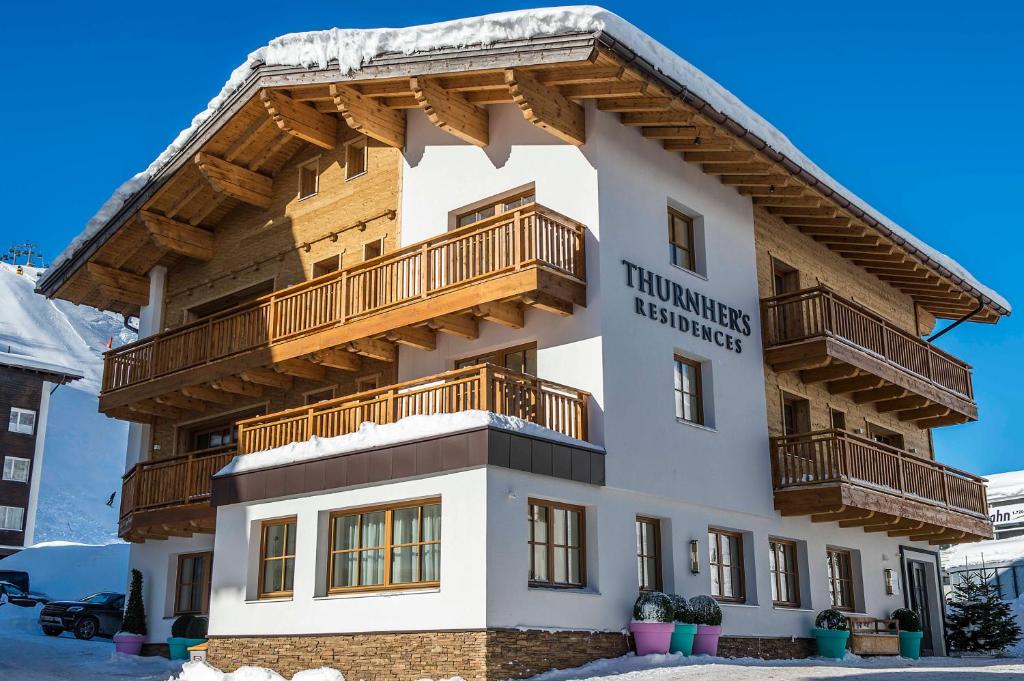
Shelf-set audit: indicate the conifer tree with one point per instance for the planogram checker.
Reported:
(977, 619)
(134, 621)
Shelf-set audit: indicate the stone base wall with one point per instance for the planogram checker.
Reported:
(768, 648)
(515, 654)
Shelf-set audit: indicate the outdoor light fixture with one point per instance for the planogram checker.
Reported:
(694, 560)
(890, 581)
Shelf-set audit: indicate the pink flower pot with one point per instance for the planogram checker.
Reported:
(652, 637)
(706, 640)
(129, 644)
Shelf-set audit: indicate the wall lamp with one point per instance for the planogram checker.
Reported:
(694, 557)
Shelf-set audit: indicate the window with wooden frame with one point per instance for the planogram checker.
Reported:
(277, 558)
(314, 396)
(22, 421)
(506, 204)
(557, 540)
(12, 518)
(796, 415)
(309, 178)
(648, 553)
(17, 469)
(785, 576)
(837, 418)
(840, 578)
(355, 158)
(209, 437)
(885, 436)
(192, 587)
(521, 358)
(680, 240)
(327, 265)
(373, 249)
(385, 547)
(364, 383)
(725, 550)
(689, 392)
(229, 301)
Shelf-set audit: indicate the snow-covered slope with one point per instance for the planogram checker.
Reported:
(65, 570)
(84, 455)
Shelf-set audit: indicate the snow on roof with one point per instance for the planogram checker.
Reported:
(987, 552)
(372, 435)
(11, 359)
(351, 48)
(1002, 486)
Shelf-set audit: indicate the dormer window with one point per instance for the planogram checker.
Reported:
(309, 179)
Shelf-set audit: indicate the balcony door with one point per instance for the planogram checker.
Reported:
(788, 316)
(796, 415)
(516, 398)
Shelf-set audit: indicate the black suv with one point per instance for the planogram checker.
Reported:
(96, 614)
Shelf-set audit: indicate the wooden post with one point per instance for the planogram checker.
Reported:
(309, 423)
(485, 387)
(517, 239)
(339, 306)
(271, 319)
(424, 271)
(584, 401)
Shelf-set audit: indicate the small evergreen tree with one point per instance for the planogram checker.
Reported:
(977, 619)
(134, 621)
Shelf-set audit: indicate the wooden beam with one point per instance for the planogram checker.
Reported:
(886, 392)
(849, 385)
(178, 237)
(505, 314)
(451, 112)
(634, 104)
(758, 181)
(181, 402)
(302, 369)
(301, 120)
(950, 419)
(374, 349)
(455, 325)
(156, 409)
(267, 377)
(737, 168)
(899, 403)
(119, 285)
(237, 386)
(547, 302)
(337, 359)
(828, 373)
(929, 411)
(546, 107)
(609, 89)
(235, 181)
(208, 394)
(420, 338)
(368, 117)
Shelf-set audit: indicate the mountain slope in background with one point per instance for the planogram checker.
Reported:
(84, 453)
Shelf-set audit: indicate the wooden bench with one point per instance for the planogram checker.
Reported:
(872, 636)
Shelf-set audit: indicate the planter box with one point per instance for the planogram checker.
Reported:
(652, 637)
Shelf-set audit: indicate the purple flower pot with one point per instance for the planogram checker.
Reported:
(706, 640)
(129, 644)
(652, 637)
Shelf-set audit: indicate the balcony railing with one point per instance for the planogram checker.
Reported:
(176, 481)
(819, 311)
(533, 236)
(485, 387)
(836, 456)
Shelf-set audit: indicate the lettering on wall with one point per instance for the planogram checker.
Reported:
(691, 312)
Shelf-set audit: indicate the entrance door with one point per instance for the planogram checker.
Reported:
(917, 576)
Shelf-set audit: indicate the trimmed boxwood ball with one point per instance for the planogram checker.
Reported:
(907, 618)
(189, 626)
(652, 607)
(831, 619)
(705, 610)
(681, 612)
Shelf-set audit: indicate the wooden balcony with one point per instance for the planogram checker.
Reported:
(485, 387)
(833, 475)
(486, 271)
(836, 341)
(170, 497)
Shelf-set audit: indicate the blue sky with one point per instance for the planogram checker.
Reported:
(915, 106)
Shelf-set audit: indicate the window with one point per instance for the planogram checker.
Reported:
(680, 239)
(192, 590)
(726, 559)
(785, 278)
(373, 249)
(837, 419)
(309, 179)
(783, 566)
(796, 415)
(648, 553)
(557, 545)
(521, 358)
(385, 548)
(16, 469)
(222, 435)
(355, 158)
(11, 518)
(688, 389)
(327, 265)
(885, 436)
(277, 558)
(230, 300)
(364, 383)
(505, 205)
(22, 421)
(840, 579)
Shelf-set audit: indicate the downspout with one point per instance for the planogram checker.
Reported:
(957, 323)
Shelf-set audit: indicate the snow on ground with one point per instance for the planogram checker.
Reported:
(84, 454)
(404, 430)
(986, 552)
(198, 671)
(68, 571)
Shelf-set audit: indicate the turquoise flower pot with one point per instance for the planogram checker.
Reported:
(910, 644)
(178, 647)
(682, 639)
(831, 642)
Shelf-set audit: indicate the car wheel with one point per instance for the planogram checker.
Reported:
(86, 628)
(52, 631)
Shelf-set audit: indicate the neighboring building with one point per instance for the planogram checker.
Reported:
(712, 352)
(25, 388)
(1000, 560)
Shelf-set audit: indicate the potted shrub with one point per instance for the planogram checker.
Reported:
(910, 632)
(685, 627)
(707, 615)
(187, 631)
(831, 632)
(652, 623)
(132, 633)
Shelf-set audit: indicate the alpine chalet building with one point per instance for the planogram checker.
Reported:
(437, 322)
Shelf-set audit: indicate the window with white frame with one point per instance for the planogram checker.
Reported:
(11, 518)
(22, 421)
(16, 469)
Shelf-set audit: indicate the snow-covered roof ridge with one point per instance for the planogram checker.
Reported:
(13, 359)
(350, 49)
(1005, 485)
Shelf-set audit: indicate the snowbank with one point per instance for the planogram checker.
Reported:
(200, 671)
(1017, 606)
(372, 435)
(1005, 485)
(68, 571)
(351, 48)
(988, 552)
